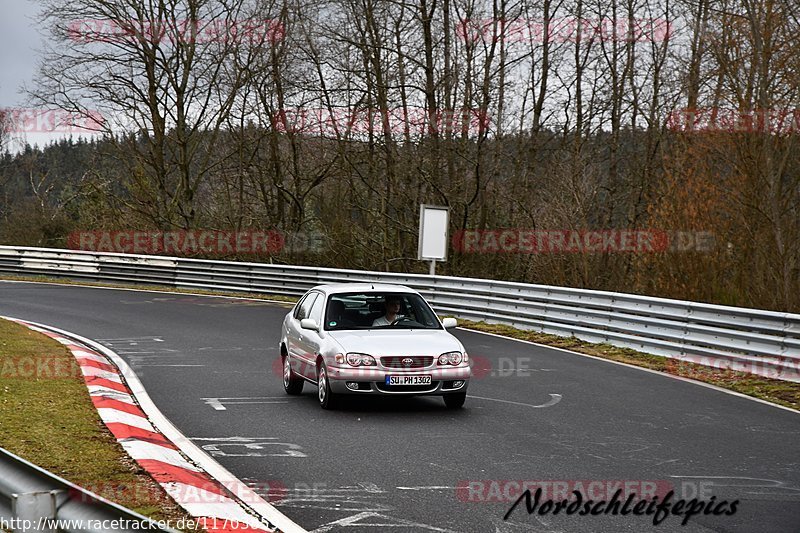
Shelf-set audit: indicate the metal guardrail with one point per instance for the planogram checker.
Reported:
(752, 340)
(32, 499)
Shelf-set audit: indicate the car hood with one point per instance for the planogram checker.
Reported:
(397, 342)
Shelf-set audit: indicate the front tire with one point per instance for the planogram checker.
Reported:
(455, 400)
(327, 400)
(292, 384)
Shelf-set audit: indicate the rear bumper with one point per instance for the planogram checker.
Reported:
(373, 380)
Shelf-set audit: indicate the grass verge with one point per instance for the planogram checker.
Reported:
(783, 393)
(48, 419)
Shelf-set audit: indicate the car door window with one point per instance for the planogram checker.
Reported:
(316, 311)
(304, 307)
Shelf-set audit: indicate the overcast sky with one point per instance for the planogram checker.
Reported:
(19, 40)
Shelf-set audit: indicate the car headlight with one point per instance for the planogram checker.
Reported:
(450, 358)
(360, 359)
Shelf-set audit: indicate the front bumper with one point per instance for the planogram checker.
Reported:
(373, 380)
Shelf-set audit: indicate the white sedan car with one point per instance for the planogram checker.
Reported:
(371, 339)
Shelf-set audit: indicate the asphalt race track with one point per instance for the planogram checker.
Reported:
(395, 465)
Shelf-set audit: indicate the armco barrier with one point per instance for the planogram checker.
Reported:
(761, 342)
(32, 499)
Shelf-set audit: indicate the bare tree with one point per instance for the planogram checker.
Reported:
(165, 76)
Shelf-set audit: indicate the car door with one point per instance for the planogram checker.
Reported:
(311, 340)
(295, 334)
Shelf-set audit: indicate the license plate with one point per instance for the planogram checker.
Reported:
(408, 380)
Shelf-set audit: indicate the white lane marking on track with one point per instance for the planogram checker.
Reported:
(501, 526)
(363, 497)
(223, 349)
(123, 352)
(215, 403)
(253, 447)
(144, 352)
(372, 488)
(656, 372)
(218, 403)
(554, 399)
(724, 481)
(434, 487)
(129, 339)
(388, 521)
(137, 345)
(147, 365)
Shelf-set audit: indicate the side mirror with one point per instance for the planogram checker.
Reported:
(449, 323)
(309, 323)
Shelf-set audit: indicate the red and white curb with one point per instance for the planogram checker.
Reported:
(216, 498)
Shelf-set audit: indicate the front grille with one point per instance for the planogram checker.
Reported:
(417, 361)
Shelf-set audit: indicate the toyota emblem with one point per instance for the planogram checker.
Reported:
(408, 361)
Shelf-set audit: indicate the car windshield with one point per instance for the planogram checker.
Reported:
(374, 310)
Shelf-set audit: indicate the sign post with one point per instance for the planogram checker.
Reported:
(433, 224)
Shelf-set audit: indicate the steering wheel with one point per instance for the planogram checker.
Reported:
(401, 319)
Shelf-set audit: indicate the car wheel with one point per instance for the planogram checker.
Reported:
(455, 400)
(326, 398)
(292, 384)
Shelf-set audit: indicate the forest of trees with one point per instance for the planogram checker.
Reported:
(341, 116)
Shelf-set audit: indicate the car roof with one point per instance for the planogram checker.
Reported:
(336, 288)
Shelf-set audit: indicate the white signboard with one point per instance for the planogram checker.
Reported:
(433, 222)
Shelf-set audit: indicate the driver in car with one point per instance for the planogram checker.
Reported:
(392, 308)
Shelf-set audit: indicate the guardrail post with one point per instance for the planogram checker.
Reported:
(38, 509)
